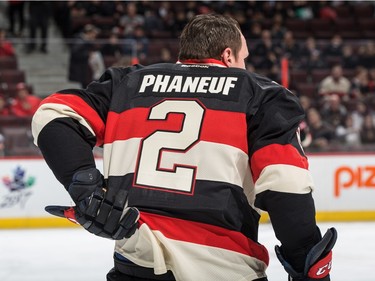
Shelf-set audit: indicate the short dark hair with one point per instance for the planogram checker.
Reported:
(207, 36)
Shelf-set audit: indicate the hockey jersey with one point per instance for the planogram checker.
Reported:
(199, 148)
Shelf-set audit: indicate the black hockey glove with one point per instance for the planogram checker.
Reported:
(101, 211)
(318, 261)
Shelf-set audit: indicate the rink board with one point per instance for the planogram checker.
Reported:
(344, 190)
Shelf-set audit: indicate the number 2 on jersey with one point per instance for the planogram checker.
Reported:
(156, 166)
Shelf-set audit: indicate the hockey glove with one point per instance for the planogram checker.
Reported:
(101, 211)
(318, 261)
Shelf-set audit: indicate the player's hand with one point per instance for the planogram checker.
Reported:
(318, 261)
(99, 210)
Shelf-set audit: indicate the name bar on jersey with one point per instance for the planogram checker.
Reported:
(151, 84)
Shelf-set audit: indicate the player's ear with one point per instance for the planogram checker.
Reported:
(227, 57)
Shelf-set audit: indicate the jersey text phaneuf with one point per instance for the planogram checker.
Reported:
(187, 84)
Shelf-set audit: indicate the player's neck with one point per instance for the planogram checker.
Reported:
(211, 62)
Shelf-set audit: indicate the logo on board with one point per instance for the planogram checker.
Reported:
(18, 184)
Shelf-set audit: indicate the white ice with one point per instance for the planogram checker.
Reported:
(76, 255)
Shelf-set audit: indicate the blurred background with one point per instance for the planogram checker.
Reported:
(323, 51)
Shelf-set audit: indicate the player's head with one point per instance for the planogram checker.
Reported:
(212, 36)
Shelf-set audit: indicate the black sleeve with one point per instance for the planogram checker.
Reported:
(293, 219)
(283, 183)
(71, 122)
(67, 147)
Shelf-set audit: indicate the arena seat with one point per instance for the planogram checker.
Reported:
(307, 89)
(343, 11)
(18, 141)
(12, 76)
(364, 10)
(367, 25)
(298, 27)
(321, 28)
(317, 75)
(348, 28)
(9, 62)
(298, 76)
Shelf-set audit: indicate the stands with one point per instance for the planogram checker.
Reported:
(354, 23)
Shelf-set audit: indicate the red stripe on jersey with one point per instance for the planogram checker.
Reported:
(81, 108)
(205, 234)
(276, 154)
(218, 126)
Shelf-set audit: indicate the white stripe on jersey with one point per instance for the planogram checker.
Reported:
(284, 178)
(216, 162)
(149, 248)
(50, 111)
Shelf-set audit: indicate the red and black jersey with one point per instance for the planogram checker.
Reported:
(198, 147)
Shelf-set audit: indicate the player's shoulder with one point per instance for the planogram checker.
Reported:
(264, 83)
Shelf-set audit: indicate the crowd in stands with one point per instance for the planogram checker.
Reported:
(329, 47)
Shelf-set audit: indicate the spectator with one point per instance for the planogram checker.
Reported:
(131, 19)
(6, 47)
(179, 22)
(154, 24)
(309, 47)
(4, 106)
(315, 61)
(306, 102)
(16, 17)
(326, 11)
(165, 55)
(268, 62)
(368, 130)
(39, 14)
(24, 104)
(278, 29)
(347, 133)
(360, 83)
(62, 11)
(79, 69)
(322, 133)
(311, 56)
(112, 47)
(305, 134)
(141, 44)
(303, 10)
(335, 48)
(349, 57)
(4, 23)
(371, 84)
(255, 31)
(266, 45)
(96, 63)
(358, 114)
(124, 61)
(96, 8)
(366, 54)
(333, 111)
(2, 146)
(291, 48)
(335, 83)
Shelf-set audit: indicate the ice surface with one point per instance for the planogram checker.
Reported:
(76, 255)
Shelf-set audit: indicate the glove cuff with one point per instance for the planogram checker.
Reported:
(318, 261)
(322, 268)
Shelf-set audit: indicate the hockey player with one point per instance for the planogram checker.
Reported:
(192, 152)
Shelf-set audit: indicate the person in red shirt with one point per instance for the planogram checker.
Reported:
(6, 47)
(24, 104)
